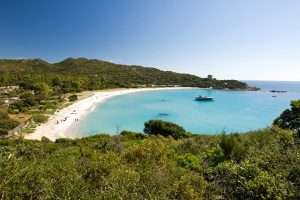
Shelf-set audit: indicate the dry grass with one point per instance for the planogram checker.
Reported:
(21, 118)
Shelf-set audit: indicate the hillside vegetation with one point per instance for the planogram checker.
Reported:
(86, 74)
(257, 165)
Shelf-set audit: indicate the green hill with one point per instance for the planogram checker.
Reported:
(96, 74)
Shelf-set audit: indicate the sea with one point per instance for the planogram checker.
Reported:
(230, 112)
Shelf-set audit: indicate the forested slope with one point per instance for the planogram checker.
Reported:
(96, 74)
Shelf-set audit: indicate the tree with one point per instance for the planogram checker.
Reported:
(166, 129)
(290, 118)
(28, 99)
(42, 89)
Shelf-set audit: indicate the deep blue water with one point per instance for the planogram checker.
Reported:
(231, 111)
(291, 86)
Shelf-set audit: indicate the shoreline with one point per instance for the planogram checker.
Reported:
(62, 123)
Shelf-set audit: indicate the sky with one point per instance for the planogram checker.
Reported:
(231, 39)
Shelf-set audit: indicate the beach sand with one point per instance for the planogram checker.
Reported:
(63, 123)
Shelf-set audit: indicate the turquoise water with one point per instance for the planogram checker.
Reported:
(231, 111)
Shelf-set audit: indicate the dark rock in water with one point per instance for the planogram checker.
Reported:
(163, 114)
(204, 98)
(250, 88)
(278, 91)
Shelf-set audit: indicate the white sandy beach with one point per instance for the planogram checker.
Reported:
(61, 124)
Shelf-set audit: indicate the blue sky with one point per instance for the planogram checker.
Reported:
(238, 39)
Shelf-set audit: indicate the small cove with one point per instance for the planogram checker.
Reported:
(231, 111)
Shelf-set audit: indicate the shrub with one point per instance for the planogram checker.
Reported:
(3, 132)
(132, 135)
(39, 118)
(8, 124)
(294, 176)
(247, 181)
(189, 161)
(28, 99)
(73, 97)
(64, 141)
(149, 151)
(45, 139)
(265, 186)
(166, 129)
(232, 147)
(189, 186)
(3, 115)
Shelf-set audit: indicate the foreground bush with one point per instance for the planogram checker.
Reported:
(133, 166)
(232, 147)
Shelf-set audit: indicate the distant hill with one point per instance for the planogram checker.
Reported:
(98, 74)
